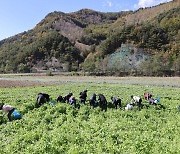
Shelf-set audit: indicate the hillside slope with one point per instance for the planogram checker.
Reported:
(146, 14)
(52, 43)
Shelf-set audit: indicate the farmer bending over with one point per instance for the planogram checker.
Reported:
(92, 100)
(7, 109)
(129, 106)
(59, 99)
(72, 101)
(147, 96)
(102, 102)
(153, 101)
(137, 100)
(42, 98)
(67, 97)
(116, 101)
(83, 96)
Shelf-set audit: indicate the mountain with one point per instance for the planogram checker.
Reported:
(85, 40)
(146, 14)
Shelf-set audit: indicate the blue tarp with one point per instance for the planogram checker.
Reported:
(16, 115)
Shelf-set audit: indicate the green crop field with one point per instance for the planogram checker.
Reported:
(60, 128)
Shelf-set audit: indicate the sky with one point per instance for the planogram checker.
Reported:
(17, 16)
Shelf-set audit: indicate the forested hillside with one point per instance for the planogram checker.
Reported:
(159, 38)
(144, 42)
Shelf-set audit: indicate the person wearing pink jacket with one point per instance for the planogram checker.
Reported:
(7, 109)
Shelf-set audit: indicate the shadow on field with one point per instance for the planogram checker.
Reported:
(110, 105)
(157, 106)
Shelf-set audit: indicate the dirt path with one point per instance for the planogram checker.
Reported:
(11, 84)
(42, 80)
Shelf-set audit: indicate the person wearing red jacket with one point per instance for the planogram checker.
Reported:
(147, 96)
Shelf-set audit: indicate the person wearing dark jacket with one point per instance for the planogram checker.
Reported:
(83, 96)
(102, 102)
(67, 97)
(60, 99)
(92, 100)
(42, 98)
(116, 101)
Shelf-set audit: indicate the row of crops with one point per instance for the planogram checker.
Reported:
(60, 128)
